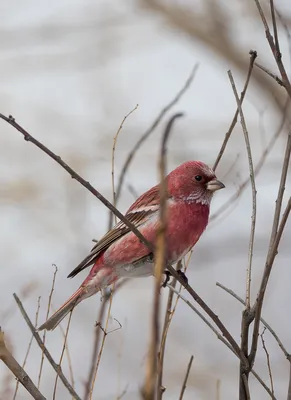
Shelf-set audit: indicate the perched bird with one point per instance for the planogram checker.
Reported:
(120, 254)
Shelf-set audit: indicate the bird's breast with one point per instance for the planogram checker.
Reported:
(186, 223)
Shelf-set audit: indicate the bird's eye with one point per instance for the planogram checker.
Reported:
(198, 178)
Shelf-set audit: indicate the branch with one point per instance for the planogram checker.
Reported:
(89, 385)
(245, 323)
(113, 164)
(160, 264)
(47, 315)
(268, 360)
(55, 366)
(28, 348)
(253, 56)
(17, 370)
(186, 378)
(167, 320)
(254, 191)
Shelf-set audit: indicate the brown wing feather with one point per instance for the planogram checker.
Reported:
(150, 198)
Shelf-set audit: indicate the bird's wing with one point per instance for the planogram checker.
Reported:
(145, 206)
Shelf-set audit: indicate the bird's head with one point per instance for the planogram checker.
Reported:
(193, 182)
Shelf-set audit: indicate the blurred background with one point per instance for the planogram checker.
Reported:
(70, 72)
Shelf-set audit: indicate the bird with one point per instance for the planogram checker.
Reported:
(121, 254)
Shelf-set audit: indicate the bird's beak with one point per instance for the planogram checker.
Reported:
(214, 185)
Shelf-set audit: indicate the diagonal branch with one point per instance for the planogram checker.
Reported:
(55, 366)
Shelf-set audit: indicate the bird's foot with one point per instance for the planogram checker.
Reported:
(167, 278)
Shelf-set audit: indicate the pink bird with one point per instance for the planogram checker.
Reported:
(120, 254)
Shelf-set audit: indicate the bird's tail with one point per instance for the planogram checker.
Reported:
(60, 314)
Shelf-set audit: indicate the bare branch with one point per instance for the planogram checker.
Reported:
(160, 264)
(254, 192)
(94, 360)
(253, 56)
(186, 378)
(55, 366)
(29, 347)
(271, 74)
(17, 370)
(113, 165)
(62, 354)
(161, 388)
(268, 360)
(47, 314)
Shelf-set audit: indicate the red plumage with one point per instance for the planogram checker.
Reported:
(120, 254)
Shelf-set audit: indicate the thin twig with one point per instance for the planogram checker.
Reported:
(281, 190)
(186, 378)
(98, 330)
(113, 165)
(68, 357)
(150, 130)
(160, 264)
(29, 345)
(17, 370)
(161, 388)
(103, 342)
(45, 350)
(271, 74)
(47, 314)
(253, 56)
(62, 354)
(268, 360)
(254, 192)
